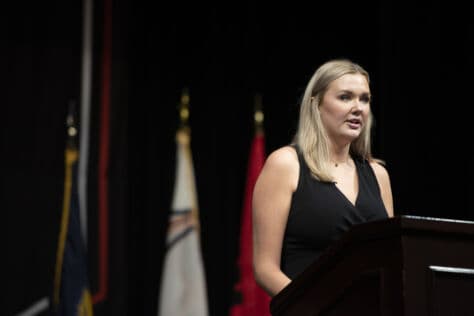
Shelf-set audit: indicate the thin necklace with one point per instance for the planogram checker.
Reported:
(336, 164)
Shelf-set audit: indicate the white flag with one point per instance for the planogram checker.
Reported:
(183, 289)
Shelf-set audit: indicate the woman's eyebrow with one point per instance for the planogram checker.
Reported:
(352, 92)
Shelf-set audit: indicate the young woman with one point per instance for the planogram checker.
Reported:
(312, 191)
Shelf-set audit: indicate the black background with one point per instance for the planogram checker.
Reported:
(419, 55)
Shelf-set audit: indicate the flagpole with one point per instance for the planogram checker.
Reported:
(183, 285)
(253, 301)
(85, 112)
(183, 137)
(71, 285)
(70, 159)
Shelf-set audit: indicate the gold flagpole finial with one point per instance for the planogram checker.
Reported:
(184, 108)
(183, 134)
(71, 124)
(258, 113)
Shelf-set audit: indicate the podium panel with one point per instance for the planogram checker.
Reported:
(404, 265)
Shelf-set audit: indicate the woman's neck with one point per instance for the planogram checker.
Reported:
(340, 156)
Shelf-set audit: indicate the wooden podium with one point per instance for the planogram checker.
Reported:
(403, 266)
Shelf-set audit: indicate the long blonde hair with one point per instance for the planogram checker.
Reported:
(311, 136)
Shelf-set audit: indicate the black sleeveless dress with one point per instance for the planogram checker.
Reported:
(320, 213)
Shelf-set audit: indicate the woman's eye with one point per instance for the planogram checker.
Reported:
(365, 99)
(344, 97)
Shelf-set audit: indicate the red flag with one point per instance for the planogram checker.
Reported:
(253, 300)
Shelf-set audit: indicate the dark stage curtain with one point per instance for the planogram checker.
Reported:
(419, 55)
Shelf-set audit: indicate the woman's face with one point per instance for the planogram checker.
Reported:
(345, 108)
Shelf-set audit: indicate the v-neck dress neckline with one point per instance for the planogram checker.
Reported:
(354, 205)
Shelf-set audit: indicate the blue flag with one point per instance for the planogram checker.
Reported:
(71, 294)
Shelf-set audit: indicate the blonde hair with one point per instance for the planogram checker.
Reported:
(311, 136)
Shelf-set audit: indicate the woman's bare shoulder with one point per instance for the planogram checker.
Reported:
(283, 157)
(383, 179)
(282, 167)
(379, 170)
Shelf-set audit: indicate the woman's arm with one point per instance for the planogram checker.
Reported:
(271, 204)
(385, 188)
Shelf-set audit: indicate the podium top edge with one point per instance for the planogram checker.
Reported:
(407, 224)
(436, 219)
